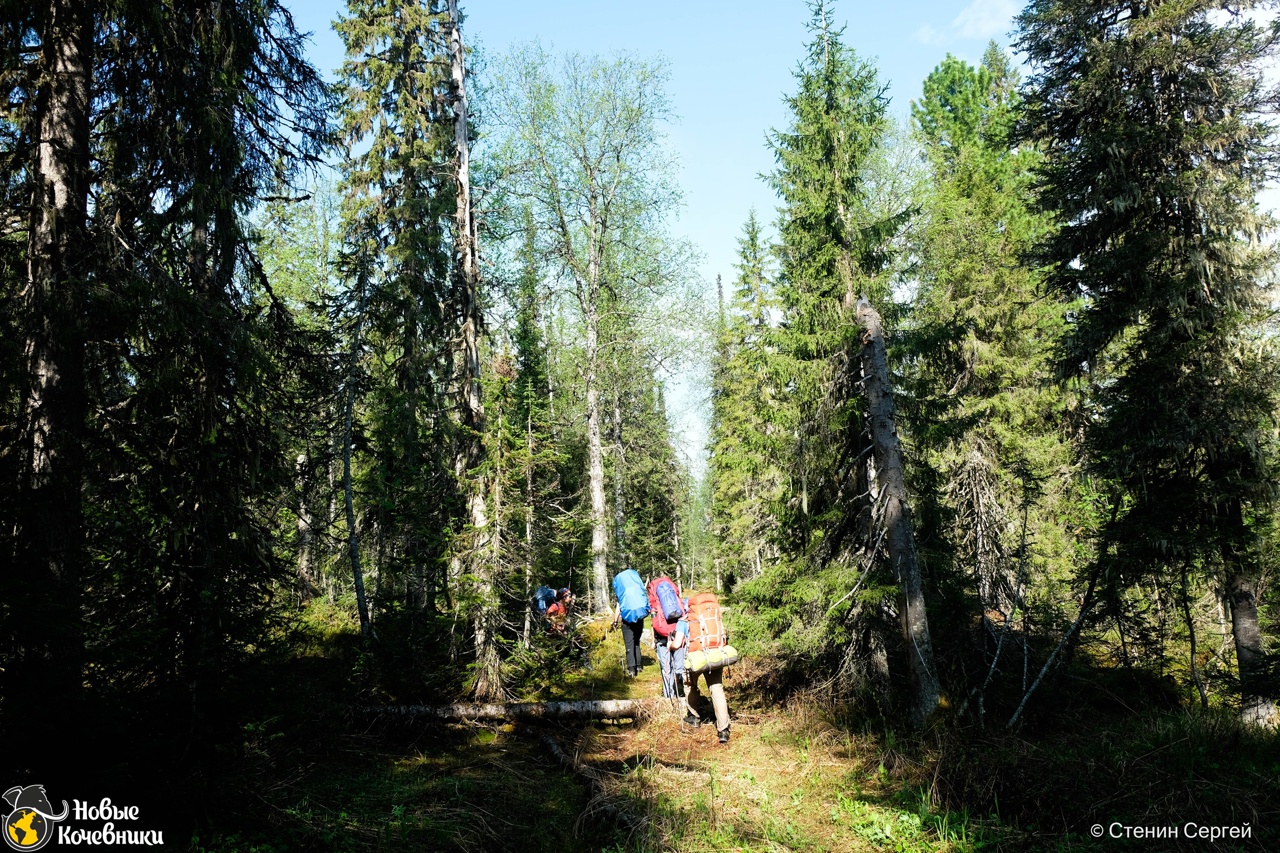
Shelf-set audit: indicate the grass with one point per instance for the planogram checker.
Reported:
(788, 780)
(797, 775)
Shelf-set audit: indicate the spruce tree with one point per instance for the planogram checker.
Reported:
(987, 421)
(195, 367)
(50, 53)
(747, 437)
(398, 209)
(537, 456)
(1152, 120)
(836, 244)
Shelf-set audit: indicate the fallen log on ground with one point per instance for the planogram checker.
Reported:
(593, 709)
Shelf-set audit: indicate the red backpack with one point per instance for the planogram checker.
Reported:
(662, 591)
(706, 629)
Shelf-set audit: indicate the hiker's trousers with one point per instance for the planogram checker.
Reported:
(672, 665)
(715, 686)
(631, 632)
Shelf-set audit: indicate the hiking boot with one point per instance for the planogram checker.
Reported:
(691, 719)
(724, 735)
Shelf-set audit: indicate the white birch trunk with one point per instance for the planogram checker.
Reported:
(595, 450)
(594, 709)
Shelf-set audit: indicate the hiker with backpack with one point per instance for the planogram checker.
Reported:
(559, 611)
(709, 653)
(633, 606)
(543, 598)
(668, 641)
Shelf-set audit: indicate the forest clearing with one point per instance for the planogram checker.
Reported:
(344, 412)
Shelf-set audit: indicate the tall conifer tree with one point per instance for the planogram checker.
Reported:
(400, 194)
(986, 419)
(190, 357)
(1152, 118)
(836, 245)
(43, 619)
(747, 434)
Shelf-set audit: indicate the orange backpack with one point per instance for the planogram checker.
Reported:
(706, 630)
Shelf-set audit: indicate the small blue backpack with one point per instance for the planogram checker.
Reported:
(542, 598)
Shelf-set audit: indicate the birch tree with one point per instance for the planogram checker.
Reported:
(581, 144)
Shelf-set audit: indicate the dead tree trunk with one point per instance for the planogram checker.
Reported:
(899, 538)
(600, 800)
(466, 279)
(595, 709)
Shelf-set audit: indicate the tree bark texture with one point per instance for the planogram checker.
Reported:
(900, 537)
(466, 277)
(1256, 709)
(595, 465)
(44, 598)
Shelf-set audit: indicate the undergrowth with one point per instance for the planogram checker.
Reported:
(799, 774)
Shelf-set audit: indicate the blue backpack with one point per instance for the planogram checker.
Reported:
(542, 598)
(633, 600)
(665, 605)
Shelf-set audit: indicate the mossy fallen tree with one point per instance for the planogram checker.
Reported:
(592, 709)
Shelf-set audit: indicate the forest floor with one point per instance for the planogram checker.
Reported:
(793, 777)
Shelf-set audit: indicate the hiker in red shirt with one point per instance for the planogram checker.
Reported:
(559, 611)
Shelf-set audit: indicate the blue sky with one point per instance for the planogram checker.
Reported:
(731, 62)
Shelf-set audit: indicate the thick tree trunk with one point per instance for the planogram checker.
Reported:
(488, 682)
(900, 537)
(619, 503)
(1256, 709)
(44, 595)
(596, 709)
(595, 470)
